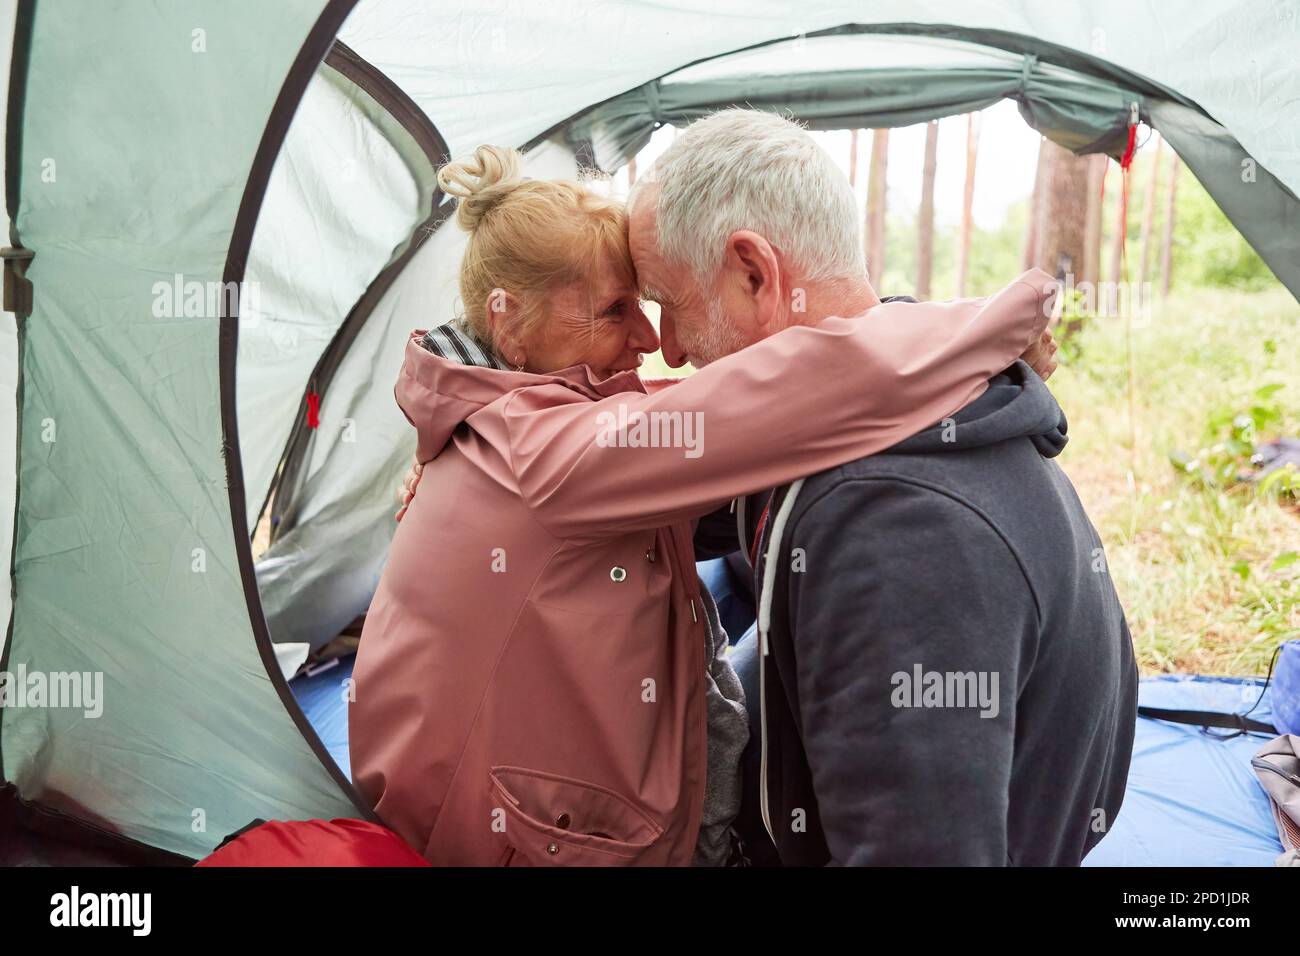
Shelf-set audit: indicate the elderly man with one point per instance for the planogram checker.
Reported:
(942, 672)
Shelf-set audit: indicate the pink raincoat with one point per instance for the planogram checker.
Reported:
(530, 683)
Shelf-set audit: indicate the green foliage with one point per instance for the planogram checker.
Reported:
(1232, 430)
(1208, 249)
(1206, 567)
(1281, 481)
(1270, 604)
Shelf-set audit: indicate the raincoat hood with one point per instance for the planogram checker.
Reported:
(437, 395)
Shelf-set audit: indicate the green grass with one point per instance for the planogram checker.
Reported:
(1203, 571)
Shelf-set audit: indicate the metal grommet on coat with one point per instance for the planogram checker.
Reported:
(617, 574)
(564, 821)
(552, 848)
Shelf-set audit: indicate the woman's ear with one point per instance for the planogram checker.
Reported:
(757, 265)
(501, 310)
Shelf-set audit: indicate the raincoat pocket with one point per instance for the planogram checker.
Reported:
(553, 820)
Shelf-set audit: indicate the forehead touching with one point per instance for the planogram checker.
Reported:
(612, 279)
(651, 271)
(607, 280)
(598, 264)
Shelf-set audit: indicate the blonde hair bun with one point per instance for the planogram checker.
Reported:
(528, 237)
(480, 183)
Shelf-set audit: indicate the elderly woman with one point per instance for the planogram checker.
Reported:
(542, 680)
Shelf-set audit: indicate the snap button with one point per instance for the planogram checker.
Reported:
(552, 848)
(563, 821)
(617, 574)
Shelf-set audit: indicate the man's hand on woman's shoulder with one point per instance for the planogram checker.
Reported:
(1041, 356)
(407, 491)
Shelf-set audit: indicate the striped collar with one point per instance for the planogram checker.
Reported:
(456, 342)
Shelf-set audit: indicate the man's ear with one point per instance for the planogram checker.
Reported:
(757, 265)
(502, 309)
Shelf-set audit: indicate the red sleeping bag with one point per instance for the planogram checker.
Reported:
(314, 843)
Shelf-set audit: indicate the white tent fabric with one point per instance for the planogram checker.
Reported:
(340, 200)
(504, 72)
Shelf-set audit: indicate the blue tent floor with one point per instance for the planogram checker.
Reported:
(1192, 799)
(323, 699)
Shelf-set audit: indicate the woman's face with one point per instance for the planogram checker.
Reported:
(598, 323)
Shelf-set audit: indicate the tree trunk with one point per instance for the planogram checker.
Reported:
(1167, 254)
(1029, 252)
(925, 219)
(968, 200)
(876, 181)
(1064, 223)
(1149, 213)
(1098, 165)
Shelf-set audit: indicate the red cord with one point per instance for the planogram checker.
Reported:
(313, 410)
(758, 531)
(1126, 161)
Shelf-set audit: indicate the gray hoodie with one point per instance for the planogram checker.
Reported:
(950, 678)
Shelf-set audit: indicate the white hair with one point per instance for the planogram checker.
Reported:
(749, 169)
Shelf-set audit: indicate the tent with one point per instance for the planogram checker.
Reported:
(223, 221)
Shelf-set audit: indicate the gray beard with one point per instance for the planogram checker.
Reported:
(720, 337)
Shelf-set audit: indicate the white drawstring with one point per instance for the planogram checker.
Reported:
(769, 565)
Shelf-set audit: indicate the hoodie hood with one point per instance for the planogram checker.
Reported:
(1017, 404)
(445, 380)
